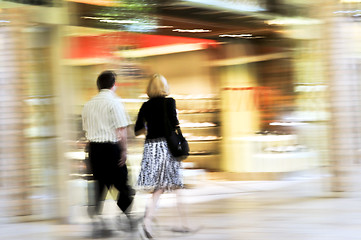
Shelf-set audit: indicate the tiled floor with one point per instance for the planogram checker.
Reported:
(287, 210)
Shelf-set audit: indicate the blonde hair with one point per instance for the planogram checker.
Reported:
(157, 86)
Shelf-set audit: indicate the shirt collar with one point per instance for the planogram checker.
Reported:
(107, 91)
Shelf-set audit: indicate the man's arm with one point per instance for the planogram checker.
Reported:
(122, 141)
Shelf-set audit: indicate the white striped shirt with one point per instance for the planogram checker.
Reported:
(102, 115)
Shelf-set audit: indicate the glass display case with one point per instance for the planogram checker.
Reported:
(278, 153)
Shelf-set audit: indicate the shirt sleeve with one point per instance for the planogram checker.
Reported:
(139, 124)
(119, 116)
(83, 118)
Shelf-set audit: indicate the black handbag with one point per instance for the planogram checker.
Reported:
(177, 144)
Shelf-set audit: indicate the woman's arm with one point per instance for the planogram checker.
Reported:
(139, 127)
(139, 132)
(172, 112)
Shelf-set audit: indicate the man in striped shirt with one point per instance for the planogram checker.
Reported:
(105, 124)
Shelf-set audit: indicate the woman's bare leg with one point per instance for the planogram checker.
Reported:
(151, 208)
(182, 211)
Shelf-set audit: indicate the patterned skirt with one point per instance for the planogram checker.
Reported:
(159, 169)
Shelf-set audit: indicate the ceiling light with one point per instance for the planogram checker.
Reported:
(293, 21)
(164, 26)
(245, 36)
(93, 18)
(289, 124)
(242, 6)
(191, 30)
(348, 11)
(118, 21)
(236, 35)
(107, 20)
(350, 1)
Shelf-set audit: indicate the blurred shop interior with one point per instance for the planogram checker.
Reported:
(251, 80)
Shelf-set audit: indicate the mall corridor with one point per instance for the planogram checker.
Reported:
(297, 209)
(267, 92)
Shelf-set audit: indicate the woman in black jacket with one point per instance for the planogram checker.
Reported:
(160, 171)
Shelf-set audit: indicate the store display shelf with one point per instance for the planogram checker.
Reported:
(195, 97)
(76, 155)
(266, 138)
(199, 117)
(198, 111)
(201, 153)
(40, 137)
(199, 126)
(204, 161)
(204, 140)
(81, 176)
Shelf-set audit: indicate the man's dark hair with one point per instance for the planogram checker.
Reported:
(106, 80)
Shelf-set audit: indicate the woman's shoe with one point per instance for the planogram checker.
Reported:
(181, 230)
(147, 233)
(185, 229)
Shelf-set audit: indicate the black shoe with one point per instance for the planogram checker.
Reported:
(105, 233)
(134, 222)
(102, 233)
(130, 223)
(100, 230)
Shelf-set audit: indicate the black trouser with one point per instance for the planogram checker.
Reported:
(103, 161)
